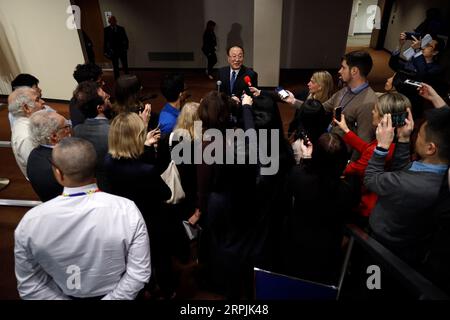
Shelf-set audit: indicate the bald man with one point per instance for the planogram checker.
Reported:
(84, 244)
(47, 129)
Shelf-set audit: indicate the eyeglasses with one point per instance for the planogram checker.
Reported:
(66, 127)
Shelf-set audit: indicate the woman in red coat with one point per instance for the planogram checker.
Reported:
(394, 103)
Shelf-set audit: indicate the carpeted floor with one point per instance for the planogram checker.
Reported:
(198, 84)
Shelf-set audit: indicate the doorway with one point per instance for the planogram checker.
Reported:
(363, 20)
(92, 31)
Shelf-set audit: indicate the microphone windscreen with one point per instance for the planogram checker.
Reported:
(219, 83)
(248, 81)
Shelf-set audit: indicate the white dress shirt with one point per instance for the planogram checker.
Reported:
(86, 245)
(22, 143)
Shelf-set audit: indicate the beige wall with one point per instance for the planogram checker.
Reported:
(407, 15)
(41, 43)
(314, 33)
(177, 26)
(267, 53)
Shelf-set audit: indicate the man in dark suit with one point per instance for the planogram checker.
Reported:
(94, 104)
(47, 129)
(232, 77)
(116, 46)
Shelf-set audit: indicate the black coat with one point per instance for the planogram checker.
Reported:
(115, 42)
(140, 182)
(209, 42)
(313, 229)
(40, 173)
(239, 85)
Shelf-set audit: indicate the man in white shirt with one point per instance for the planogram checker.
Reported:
(84, 243)
(23, 102)
(25, 80)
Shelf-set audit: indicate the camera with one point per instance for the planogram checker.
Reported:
(399, 119)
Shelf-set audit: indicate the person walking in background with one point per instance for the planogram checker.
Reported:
(116, 46)
(209, 46)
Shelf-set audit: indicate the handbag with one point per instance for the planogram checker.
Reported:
(171, 177)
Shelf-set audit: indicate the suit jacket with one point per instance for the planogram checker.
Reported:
(239, 85)
(39, 171)
(115, 42)
(96, 132)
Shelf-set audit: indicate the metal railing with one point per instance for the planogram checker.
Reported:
(13, 202)
(410, 279)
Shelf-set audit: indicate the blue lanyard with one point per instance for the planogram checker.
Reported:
(350, 100)
(79, 194)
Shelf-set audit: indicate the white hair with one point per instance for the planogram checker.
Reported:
(22, 96)
(42, 125)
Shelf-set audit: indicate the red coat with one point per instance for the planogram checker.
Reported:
(358, 167)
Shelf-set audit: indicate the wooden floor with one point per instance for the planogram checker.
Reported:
(198, 84)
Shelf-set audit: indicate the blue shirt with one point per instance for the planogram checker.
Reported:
(360, 88)
(418, 166)
(168, 118)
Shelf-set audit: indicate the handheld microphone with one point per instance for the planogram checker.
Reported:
(219, 83)
(248, 81)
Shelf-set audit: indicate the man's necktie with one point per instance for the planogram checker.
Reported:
(232, 81)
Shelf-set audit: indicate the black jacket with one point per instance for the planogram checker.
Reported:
(40, 173)
(115, 42)
(239, 85)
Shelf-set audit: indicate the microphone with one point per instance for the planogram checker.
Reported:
(219, 83)
(248, 81)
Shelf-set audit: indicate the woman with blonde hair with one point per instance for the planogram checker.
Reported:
(321, 86)
(399, 107)
(310, 114)
(186, 119)
(132, 174)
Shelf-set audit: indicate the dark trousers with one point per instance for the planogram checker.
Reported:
(115, 62)
(212, 60)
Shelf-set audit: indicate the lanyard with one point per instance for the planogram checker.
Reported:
(350, 100)
(79, 194)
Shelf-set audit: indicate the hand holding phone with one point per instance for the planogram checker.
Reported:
(399, 119)
(413, 83)
(283, 94)
(410, 35)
